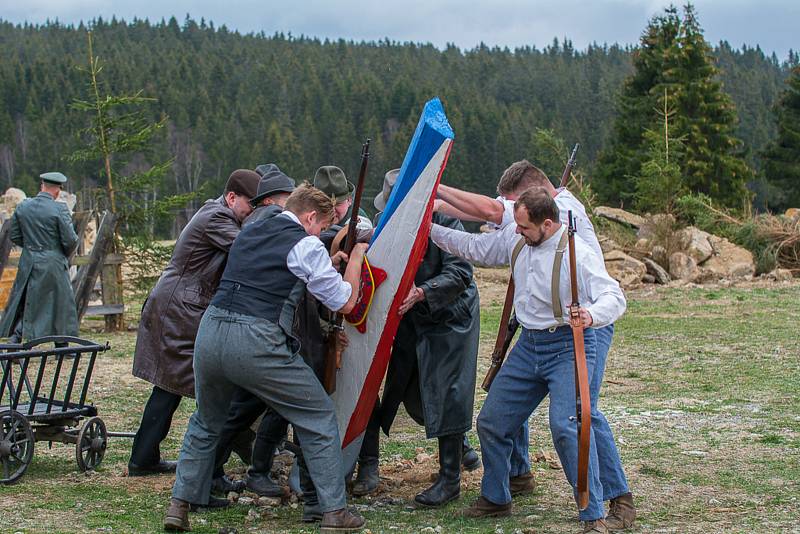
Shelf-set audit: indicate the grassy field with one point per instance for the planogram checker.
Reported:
(702, 390)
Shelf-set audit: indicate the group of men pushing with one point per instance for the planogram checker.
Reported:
(239, 321)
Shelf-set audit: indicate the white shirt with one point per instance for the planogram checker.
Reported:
(310, 262)
(565, 201)
(597, 291)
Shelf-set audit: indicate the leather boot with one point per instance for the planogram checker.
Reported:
(486, 508)
(621, 513)
(521, 484)
(448, 485)
(177, 517)
(367, 479)
(212, 504)
(341, 521)
(259, 476)
(598, 527)
(224, 485)
(469, 457)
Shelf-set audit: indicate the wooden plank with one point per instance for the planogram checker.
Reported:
(105, 309)
(80, 220)
(110, 259)
(87, 274)
(111, 277)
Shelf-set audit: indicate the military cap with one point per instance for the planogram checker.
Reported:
(53, 178)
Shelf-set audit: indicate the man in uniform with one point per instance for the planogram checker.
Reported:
(42, 302)
(433, 365)
(520, 176)
(172, 313)
(541, 362)
(246, 340)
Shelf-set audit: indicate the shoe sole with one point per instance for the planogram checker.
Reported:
(418, 504)
(504, 513)
(174, 524)
(472, 467)
(363, 493)
(522, 492)
(323, 530)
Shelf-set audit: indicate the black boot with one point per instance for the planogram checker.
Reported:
(469, 457)
(448, 486)
(259, 478)
(367, 479)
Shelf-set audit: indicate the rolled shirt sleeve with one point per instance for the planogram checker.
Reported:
(309, 261)
(607, 300)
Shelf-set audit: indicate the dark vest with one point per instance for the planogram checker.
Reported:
(257, 281)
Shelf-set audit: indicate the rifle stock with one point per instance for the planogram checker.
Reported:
(333, 356)
(583, 415)
(508, 327)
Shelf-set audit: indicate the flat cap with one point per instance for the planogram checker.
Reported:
(53, 178)
(243, 182)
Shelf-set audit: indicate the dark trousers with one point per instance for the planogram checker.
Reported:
(156, 420)
(243, 411)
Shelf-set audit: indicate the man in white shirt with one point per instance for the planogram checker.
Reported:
(541, 362)
(499, 213)
(245, 340)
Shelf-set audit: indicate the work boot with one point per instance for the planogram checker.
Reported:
(225, 485)
(621, 513)
(448, 485)
(341, 520)
(213, 503)
(485, 508)
(596, 526)
(163, 466)
(177, 517)
(469, 457)
(521, 484)
(259, 477)
(311, 513)
(367, 478)
(242, 445)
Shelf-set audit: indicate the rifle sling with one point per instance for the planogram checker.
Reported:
(555, 283)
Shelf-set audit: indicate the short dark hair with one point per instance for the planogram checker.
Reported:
(306, 198)
(521, 175)
(539, 205)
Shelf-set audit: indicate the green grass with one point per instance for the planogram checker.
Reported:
(702, 390)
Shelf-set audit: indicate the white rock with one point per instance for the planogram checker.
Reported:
(625, 269)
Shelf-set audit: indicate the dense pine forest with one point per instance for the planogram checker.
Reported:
(233, 100)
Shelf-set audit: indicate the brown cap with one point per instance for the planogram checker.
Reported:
(243, 182)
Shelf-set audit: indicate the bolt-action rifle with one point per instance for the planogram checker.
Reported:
(333, 357)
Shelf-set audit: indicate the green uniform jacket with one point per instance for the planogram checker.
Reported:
(42, 293)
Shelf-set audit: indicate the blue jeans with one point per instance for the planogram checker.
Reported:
(612, 476)
(541, 363)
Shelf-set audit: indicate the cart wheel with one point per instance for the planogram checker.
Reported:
(16, 445)
(91, 445)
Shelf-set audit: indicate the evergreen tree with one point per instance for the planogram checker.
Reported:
(675, 56)
(782, 157)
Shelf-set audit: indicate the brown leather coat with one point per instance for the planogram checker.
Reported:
(172, 312)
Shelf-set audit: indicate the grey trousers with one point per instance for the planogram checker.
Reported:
(239, 350)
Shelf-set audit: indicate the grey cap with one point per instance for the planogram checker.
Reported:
(273, 181)
(53, 178)
(388, 183)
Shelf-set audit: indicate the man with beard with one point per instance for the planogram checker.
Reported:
(541, 362)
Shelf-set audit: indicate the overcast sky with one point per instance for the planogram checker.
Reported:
(772, 24)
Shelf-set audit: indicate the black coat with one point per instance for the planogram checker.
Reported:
(438, 338)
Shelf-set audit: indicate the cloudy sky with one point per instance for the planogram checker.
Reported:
(772, 24)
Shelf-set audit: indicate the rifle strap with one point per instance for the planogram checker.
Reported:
(515, 253)
(555, 283)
